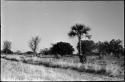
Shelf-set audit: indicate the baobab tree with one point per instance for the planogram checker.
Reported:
(33, 44)
(80, 30)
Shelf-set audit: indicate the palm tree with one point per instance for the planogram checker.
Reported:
(80, 30)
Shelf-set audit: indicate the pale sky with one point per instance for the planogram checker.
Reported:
(52, 20)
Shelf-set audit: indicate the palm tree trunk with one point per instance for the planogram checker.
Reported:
(35, 53)
(81, 56)
(80, 53)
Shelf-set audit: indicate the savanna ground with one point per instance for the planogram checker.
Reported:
(48, 68)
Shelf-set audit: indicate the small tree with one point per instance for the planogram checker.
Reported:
(33, 44)
(7, 47)
(102, 48)
(116, 47)
(62, 48)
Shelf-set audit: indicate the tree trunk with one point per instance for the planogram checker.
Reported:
(80, 53)
(81, 56)
(35, 53)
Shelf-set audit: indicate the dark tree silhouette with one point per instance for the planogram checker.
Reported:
(80, 30)
(33, 44)
(116, 47)
(103, 48)
(7, 47)
(87, 46)
(29, 52)
(62, 48)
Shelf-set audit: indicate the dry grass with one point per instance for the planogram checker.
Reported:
(93, 65)
(17, 71)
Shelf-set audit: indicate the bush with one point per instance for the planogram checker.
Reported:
(116, 47)
(7, 51)
(45, 51)
(18, 52)
(61, 48)
(29, 52)
(7, 47)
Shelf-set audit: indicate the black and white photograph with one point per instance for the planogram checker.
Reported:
(62, 40)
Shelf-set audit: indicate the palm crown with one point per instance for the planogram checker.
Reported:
(79, 30)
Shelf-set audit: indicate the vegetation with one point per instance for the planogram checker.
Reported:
(123, 51)
(105, 64)
(97, 66)
(62, 48)
(7, 47)
(87, 46)
(114, 46)
(33, 44)
(45, 51)
(102, 48)
(29, 52)
(18, 52)
(80, 30)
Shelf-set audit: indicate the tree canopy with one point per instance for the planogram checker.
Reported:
(62, 48)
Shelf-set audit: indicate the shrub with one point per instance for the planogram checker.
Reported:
(7, 51)
(18, 52)
(61, 48)
(45, 51)
(13, 59)
(114, 46)
(7, 47)
(29, 52)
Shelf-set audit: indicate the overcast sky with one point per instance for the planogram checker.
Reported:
(52, 20)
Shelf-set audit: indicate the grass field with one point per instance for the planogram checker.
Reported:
(20, 67)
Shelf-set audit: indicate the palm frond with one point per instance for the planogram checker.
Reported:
(72, 33)
(79, 27)
(74, 28)
(85, 30)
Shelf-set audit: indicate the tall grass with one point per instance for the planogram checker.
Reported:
(92, 65)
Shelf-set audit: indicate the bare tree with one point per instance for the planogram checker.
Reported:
(33, 44)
